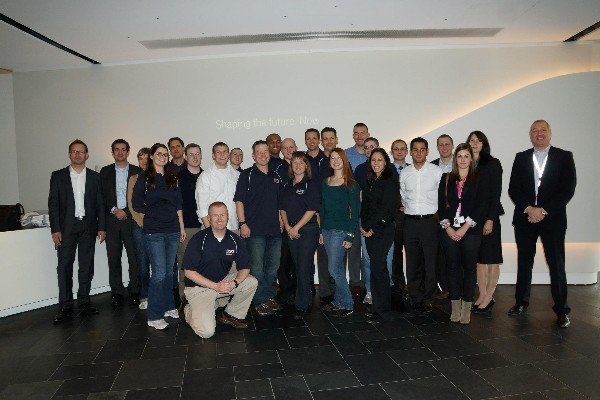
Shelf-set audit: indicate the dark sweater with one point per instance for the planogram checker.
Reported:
(187, 183)
(158, 205)
(340, 207)
(380, 203)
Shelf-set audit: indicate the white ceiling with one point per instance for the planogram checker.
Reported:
(110, 31)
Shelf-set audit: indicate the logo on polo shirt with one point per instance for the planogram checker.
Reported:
(300, 191)
(229, 252)
(276, 180)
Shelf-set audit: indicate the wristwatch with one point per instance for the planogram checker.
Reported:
(241, 223)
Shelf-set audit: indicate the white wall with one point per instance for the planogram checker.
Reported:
(9, 180)
(397, 93)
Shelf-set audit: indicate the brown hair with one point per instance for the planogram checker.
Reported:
(301, 156)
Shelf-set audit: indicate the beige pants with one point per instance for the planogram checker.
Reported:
(189, 232)
(202, 303)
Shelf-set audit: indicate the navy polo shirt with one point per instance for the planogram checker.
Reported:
(274, 162)
(259, 192)
(213, 259)
(159, 205)
(187, 183)
(296, 199)
(283, 170)
(319, 166)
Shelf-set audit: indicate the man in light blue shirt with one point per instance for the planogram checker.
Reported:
(114, 179)
(356, 154)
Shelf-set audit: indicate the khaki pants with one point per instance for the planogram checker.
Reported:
(202, 303)
(189, 232)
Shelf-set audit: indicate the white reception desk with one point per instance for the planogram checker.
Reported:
(28, 264)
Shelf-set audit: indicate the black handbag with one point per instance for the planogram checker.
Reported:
(10, 217)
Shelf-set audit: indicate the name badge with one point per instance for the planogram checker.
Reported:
(458, 221)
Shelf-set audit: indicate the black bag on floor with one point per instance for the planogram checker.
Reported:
(10, 217)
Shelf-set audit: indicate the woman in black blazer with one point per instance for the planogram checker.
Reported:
(490, 252)
(377, 214)
(463, 202)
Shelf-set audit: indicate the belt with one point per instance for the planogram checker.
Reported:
(424, 216)
(80, 218)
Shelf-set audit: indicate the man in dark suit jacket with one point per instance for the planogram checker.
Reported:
(114, 178)
(76, 211)
(542, 182)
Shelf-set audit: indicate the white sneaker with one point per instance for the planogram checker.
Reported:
(159, 324)
(368, 299)
(172, 313)
(143, 304)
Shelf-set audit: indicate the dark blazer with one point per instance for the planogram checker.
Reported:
(61, 201)
(475, 201)
(491, 169)
(555, 191)
(380, 202)
(108, 178)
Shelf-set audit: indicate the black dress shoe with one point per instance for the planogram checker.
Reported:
(422, 307)
(298, 315)
(116, 300)
(63, 315)
(563, 321)
(486, 309)
(517, 310)
(87, 309)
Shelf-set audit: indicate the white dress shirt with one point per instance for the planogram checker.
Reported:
(78, 183)
(216, 184)
(419, 189)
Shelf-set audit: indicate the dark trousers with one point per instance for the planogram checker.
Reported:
(421, 243)
(79, 237)
(441, 271)
(303, 254)
(354, 261)
(286, 275)
(119, 235)
(378, 246)
(398, 278)
(461, 258)
(553, 240)
(326, 283)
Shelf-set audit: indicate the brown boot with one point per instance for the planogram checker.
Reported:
(455, 316)
(465, 312)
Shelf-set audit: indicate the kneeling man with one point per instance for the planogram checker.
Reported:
(209, 283)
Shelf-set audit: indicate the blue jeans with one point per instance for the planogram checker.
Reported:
(332, 240)
(142, 259)
(303, 254)
(265, 253)
(367, 263)
(161, 248)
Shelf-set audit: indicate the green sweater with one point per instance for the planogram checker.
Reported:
(340, 208)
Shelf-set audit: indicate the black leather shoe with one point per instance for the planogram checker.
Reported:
(298, 315)
(422, 307)
(63, 315)
(116, 300)
(86, 309)
(484, 310)
(563, 321)
(517, 310)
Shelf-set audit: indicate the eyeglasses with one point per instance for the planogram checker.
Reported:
(77, 152)
(161, 155)
(370, 147)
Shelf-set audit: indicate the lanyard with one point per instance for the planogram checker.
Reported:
(459, 189)
(540, 172)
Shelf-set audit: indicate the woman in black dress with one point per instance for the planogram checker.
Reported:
(490, 252)
(377, 214)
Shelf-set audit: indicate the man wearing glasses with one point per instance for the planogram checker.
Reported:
(76, 209)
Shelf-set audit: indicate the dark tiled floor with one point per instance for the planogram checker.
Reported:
(114, 355)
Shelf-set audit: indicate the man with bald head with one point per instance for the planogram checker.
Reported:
(542, 182)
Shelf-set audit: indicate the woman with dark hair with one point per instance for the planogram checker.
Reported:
(299, 202)
(340, 205)
(463, 201)
(490, 252)
(158, 197)
(377, 214)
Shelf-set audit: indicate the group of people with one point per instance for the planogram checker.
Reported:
(357, 209)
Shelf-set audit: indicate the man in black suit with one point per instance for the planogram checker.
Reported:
(542, 182)
(76, 211)
(114, 178)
